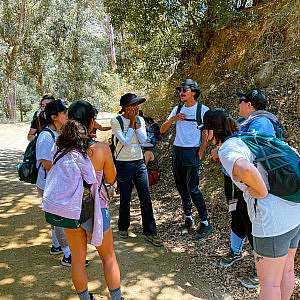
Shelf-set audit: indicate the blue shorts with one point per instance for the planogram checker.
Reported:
(88, 225)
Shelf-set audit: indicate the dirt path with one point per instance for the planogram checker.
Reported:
(27, 271)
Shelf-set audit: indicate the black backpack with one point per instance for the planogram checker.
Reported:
(280, 161)
(27, 169)
(198, 113)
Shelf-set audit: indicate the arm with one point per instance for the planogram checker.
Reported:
(47, 164)
(173, 118)
(100, 127)
(140, 130)
(247, 173)
(121, 136)
(109, 169)
(148, 155)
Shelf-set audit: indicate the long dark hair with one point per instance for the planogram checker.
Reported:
(220, 121)
(73, 137)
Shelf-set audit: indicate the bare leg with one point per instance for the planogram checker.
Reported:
(77, 241)
(288, 278)
(270, 272)
(109, 260)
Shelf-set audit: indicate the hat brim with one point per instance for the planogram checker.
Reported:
(241, 95)
(138, 100)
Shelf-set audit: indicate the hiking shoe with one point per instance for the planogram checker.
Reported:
(92, 297)
(203, 231)
(250, 282)
(187, 226)
(55, 250)
(123, 234)
(154, 240)
(230, 258)
(66, 261)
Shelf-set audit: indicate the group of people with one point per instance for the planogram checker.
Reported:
(67, 153)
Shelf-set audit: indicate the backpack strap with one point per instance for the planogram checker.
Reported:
(120, 120)
(50, 131)
(199, 113)
(179, 107)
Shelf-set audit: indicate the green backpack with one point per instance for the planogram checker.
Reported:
(280, 161)
(27, 169)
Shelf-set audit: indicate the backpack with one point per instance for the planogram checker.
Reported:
(27, 169)
(280, 161)
(198, 113)
(153, 171)
(280, 132)
(114, 139)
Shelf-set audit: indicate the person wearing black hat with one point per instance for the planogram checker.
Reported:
(252, 107)
(56, 117)
(188, 146)
(129, 131)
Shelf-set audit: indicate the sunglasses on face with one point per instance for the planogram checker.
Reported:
(183, 89)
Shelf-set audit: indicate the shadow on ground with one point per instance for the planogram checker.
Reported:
(27, 271)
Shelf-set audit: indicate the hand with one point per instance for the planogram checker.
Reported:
(137, 125)
(178, 117)
(201, 153)
(214, 154)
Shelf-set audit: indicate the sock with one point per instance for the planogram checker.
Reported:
(205, 222)
(115, 294)
(236, 243)
(84, 295)
(67, 251)
(55, 242)
(189, 217)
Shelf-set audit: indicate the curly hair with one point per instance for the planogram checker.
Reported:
(74, 136)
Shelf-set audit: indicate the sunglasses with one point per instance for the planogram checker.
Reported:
(183, 89)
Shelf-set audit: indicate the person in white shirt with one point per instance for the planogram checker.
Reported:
(275, 221)
(188, 148)
(129, 131)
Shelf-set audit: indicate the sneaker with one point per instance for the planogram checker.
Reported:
(66, 261)
(187, 226)
(92, 297)
(123, 234)
(154, 240)
(203, 231)
(250, 282)
(230, 258)
(55, 250)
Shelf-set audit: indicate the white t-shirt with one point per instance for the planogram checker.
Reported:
(44, 146)
(274, 216)
(128, 147)
(187, 132)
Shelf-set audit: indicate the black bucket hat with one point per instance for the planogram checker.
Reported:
(53, 108)
(129, 99)
(192, 84)
(256, 97)
(83, 112)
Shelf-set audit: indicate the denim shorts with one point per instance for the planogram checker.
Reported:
(88, 225)
(277, 246)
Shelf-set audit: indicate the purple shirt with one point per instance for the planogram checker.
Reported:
(64, 185)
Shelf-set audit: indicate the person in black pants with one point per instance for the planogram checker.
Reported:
(129, 132)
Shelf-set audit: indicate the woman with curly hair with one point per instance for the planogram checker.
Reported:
(79, 162)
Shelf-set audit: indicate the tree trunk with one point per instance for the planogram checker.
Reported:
(112, 44)
(21, 109)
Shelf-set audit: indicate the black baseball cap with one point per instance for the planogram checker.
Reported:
(192, 84)
(257, 98)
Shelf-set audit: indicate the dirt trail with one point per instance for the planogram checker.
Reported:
(27, 271)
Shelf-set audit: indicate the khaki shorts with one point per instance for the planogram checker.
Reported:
(277, 246)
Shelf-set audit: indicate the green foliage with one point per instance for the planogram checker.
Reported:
(55, 47)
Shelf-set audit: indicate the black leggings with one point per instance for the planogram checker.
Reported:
(240, 221)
